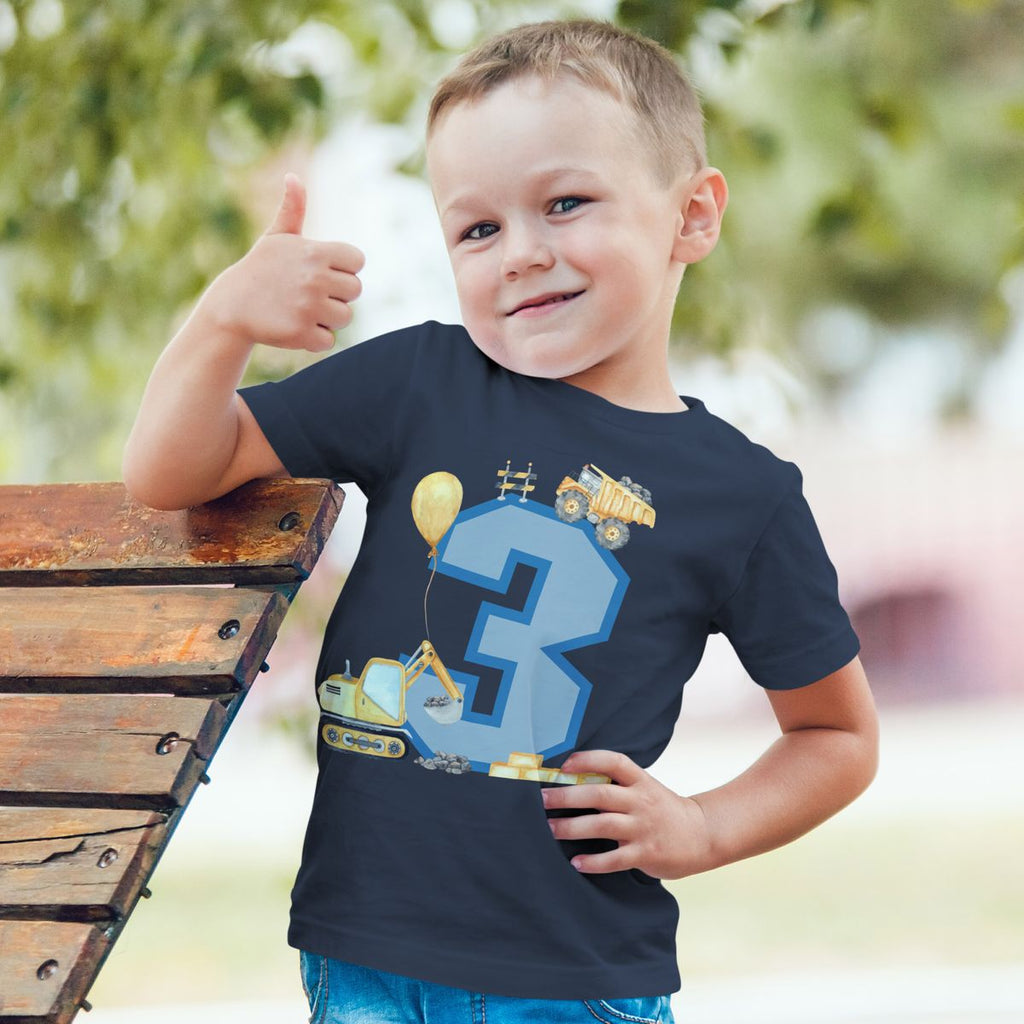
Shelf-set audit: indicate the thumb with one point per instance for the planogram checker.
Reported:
(292, 210)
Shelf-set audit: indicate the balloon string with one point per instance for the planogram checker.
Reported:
(426, 624)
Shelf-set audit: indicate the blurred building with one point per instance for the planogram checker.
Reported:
(928, 539)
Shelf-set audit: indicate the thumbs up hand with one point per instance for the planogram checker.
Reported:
(288, 291)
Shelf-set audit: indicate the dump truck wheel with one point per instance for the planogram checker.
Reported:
(612, 533)
(571, 507)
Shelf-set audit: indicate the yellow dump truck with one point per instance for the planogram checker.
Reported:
(611, 505)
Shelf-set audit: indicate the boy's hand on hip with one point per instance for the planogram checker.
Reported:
(663, 834)
(288, 291)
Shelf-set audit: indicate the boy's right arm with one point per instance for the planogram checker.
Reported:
(194, 438)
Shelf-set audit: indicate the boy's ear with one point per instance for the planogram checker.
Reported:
(703, 203)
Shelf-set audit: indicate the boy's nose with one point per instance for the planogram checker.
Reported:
(524, 251)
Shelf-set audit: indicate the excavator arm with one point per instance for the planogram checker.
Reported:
(427, 657)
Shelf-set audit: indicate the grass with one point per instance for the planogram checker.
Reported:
(849, 895)
(902, 893)
(210, 932)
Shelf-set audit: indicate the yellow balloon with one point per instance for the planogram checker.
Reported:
(435, 504)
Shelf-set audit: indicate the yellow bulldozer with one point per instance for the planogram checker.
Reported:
(611, 505)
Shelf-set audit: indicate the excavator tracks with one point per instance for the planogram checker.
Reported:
(345, 737)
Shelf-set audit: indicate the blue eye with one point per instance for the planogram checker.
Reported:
(479, 231)
(566, 204)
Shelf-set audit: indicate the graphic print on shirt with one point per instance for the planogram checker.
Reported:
(573, 602)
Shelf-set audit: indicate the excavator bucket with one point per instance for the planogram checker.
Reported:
(444, 710)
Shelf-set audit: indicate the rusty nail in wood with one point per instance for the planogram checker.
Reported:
(289, 522)
(47, 969)
(107, 857)
(167, 743)
(229, 629)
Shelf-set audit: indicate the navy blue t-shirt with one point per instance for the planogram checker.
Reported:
(539, 573)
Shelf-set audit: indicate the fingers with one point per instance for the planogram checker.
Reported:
(319, 339)
(334, 315)
(592, 795)
(342, 256)
(328, 269)
(607, 825)
(622, 810)
(618, 767)
(339, 287)
(312, 325)
(604, 863)
(322, 305)
(620, 828)
(292, 211)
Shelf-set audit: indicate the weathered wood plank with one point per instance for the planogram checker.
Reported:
(267, 531)
(172, 639)
(75, 865)
(105, 750)
(28, 824)
(92, 780)
(46, 968)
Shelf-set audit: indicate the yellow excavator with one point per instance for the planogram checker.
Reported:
(370, 711)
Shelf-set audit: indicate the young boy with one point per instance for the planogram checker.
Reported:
(509, 652)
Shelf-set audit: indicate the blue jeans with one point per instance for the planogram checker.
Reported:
(344, 993)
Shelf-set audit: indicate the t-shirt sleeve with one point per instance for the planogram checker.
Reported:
(337, 418)
(784, 618)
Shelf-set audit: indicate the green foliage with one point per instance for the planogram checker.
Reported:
(874, 151)
(132, 133)
(121, 197)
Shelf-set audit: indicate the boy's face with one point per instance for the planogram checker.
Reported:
(562, 241)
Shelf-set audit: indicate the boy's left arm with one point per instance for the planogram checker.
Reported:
(826, 756)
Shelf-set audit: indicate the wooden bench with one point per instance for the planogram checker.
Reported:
(128, 640)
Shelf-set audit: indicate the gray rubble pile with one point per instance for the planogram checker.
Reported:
(454, 764)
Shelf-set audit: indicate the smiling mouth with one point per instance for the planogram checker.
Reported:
(546, 300)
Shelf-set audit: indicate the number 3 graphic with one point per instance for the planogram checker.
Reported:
(573, 602)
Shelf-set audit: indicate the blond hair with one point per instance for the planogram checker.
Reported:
(637, 71)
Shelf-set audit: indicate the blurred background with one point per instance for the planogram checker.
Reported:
(863, 317)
